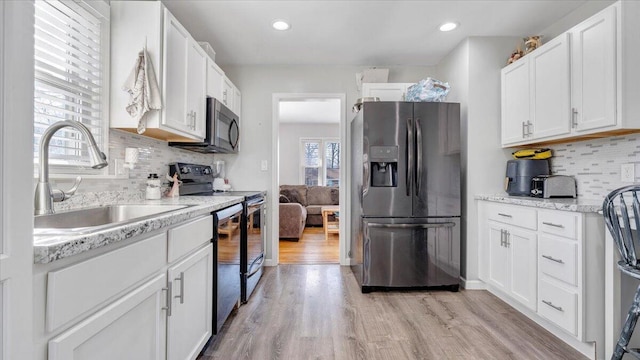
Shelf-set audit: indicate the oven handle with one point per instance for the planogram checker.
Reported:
(412, 226)
(251, 273)
(255, 204)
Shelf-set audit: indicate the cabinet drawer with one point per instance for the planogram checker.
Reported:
(514, 215)
(187, 237)
(74, 290)
(559, 223)
(558, 259)
(559, 306)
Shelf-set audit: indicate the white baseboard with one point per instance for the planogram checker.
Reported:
(473, 284)
(270, 262)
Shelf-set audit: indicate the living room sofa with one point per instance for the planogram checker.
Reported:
(301, 205)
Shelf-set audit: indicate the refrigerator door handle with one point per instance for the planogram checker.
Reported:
(409, 167)
(418, 156)
(412, 226)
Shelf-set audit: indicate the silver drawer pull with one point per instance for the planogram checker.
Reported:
(559, 261)
(552, 224)
(505, 215)
(559, 308)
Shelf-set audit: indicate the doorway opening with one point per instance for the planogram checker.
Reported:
(310, 179)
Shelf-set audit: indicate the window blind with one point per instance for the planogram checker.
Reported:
(68, 80)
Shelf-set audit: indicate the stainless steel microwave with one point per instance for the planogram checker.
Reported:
(223, 131)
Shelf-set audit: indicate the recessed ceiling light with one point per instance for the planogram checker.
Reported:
(281, 25)
(448, 26)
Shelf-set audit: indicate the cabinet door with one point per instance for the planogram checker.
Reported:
(594, 71)
(522, 248)
(515, 101)
(176, 46)
(214, 80)
(550, 88)
(385, 91)
(196, 89)
(227, 93)
(237, 102)
(498, 271)
(133, 327)
(190, 323)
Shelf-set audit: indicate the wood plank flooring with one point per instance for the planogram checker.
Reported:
(312, 248)
(318, 312)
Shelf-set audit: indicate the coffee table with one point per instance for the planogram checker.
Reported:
(330, 227)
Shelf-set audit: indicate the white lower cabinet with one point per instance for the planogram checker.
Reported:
(130, 328)
(151, 299)
(551, 262)
(189, 322)
(512, 261)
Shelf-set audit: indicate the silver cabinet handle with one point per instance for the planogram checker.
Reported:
(549, 303)
(505, 215)
(559, 261)
(529, 125)
(552, 224)
(574, 117)
(181, 296)
(503, 243)
(169, 297)
(506, 238)
(412, 226)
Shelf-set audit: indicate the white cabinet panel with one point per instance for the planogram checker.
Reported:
(550, 88)
(516, 114)
(559, 305)
(385, 91)
(187, 237)
(215, 77)
(131, 328)
(523, 266)
(498, 257)
(559, 259)
(190, 324)
(196, 88)
(176, 44)
(594, 71)
(227, 92)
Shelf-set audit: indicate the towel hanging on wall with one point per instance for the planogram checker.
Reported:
(144, 93)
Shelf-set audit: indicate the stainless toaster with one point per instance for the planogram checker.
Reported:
(553, 186)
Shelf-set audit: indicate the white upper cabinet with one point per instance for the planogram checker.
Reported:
(237, 102)
(215, 77)
(385, 91)
(227, 92)
(516, 114)
(550, 88)
(594, 71)
(577, 85)
(179, 64)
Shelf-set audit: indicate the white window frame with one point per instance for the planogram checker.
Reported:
(101, 10)
(322, 173)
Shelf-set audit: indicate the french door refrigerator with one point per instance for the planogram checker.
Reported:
(405, 188)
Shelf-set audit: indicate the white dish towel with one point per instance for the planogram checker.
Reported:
(144, 93)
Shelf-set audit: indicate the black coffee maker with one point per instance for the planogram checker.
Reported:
(519, 174)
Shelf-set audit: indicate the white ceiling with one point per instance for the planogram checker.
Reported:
(310, 111)
(368, 33)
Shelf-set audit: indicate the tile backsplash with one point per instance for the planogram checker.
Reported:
(595, 163)
(154, 157)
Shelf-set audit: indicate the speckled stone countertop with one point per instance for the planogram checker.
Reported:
(576, 205)
(52, 247)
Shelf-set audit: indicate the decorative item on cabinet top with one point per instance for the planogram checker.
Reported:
(530, 43)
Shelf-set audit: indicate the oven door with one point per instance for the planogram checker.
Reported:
(226, 128)
(256, 231)
(227, 269)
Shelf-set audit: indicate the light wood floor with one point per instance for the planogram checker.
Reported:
(312, 248)
(318, 312)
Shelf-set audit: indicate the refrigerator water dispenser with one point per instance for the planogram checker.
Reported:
(384, 166)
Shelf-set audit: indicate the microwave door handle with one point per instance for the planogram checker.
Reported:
(234, 142)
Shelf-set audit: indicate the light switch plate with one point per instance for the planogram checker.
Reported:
(264, 165)
(628, 173)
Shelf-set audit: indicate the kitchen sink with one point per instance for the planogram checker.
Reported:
(92, 219)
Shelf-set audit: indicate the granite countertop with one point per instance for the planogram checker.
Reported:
(52, 247)
(575, 205)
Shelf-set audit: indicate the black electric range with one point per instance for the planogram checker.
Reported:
(249, 230)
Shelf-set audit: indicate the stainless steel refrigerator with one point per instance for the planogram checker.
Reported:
(405, 189)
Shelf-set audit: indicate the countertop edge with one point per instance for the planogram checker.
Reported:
(50, 248)
(574, 205)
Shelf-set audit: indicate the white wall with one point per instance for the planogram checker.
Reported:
(290, 134)
(473, 71)
(259, 83)
(574, 18)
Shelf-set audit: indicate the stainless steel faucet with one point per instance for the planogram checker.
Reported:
(45, 196)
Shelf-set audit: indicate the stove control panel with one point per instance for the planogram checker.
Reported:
(191, 172)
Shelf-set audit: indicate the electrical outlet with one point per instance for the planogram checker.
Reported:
(264, 166)
(628, 173)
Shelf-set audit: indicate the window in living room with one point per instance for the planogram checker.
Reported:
(320, 162)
